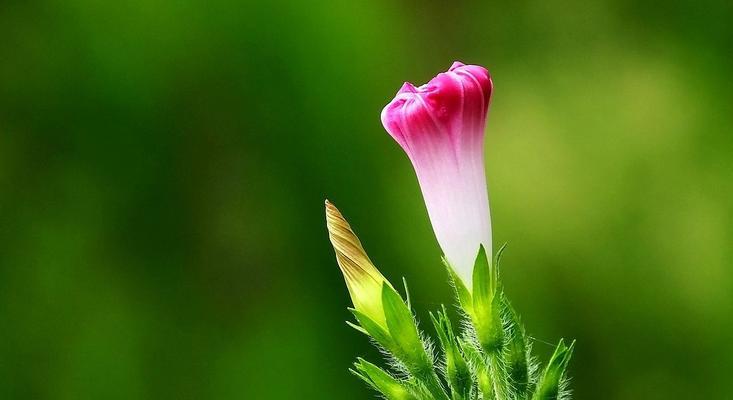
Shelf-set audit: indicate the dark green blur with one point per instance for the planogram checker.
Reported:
(163, 167)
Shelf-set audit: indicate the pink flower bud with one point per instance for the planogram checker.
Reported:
(440, 125)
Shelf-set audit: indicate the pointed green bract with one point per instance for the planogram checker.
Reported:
(551, 385)
(407, 293)
(403, 331)
(487, 304)
(408, 347)
(465, 299)
(357, 327)
(499, 254)
(373, 329)
(381, 381)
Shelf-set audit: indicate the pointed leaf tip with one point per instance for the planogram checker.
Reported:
(403, 331)
(486, 305)
(499, 254)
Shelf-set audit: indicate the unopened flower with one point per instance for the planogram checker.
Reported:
(440, 126)
(363, 279)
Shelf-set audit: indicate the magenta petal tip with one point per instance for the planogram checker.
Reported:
(455, 65)
(407, 87)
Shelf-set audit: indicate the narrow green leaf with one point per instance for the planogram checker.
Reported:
(373, 329)
(409, 348)
(486, 304)
(382, 381)
(462, 292)
(438, 325)
(357, 327)
(499, 254)
(482, 282)
(402, 330)
(407, 293)
(551, 383)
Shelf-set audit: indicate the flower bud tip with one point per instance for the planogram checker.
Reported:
(455, 65)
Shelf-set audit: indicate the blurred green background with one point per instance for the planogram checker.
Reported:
(163, 167)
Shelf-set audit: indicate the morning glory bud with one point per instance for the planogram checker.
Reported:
(363, 279)
(440, 126)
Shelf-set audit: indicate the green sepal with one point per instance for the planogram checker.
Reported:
(499, 254)
(408, 347)
(373, 329)
(484, 281)
(407, 293)
(462, 293)
(551, 383)
(487, 304)
(357, 327)
(457, 373)
(381, 381)
(403, 331)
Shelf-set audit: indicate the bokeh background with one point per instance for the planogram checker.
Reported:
(163, 167)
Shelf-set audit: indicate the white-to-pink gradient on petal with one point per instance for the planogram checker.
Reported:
(440, 125)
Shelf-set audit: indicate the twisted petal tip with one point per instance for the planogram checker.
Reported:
(363, 279)
(455, 65)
